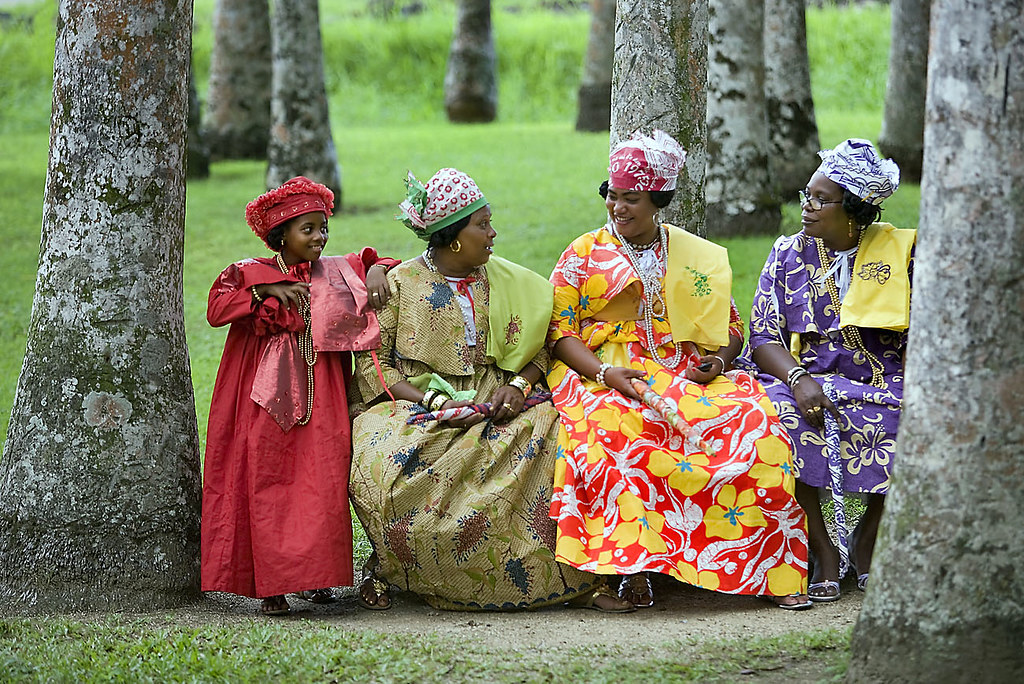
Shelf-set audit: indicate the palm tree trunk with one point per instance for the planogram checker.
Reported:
(944, 600)
(99, 494)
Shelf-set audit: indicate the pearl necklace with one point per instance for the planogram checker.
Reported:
(851, 334)
(653, 302)
(309, 354)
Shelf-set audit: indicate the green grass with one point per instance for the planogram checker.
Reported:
(540, 177)
(116, 648)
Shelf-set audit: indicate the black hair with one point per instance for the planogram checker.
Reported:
(659, 198)
(862, 212)
(275, 238)
(447, 235)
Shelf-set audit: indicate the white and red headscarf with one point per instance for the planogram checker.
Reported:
(448, 196)
(646, 162)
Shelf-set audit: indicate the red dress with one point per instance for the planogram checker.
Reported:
(275, 502)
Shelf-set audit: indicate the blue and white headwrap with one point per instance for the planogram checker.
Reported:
(856, 166)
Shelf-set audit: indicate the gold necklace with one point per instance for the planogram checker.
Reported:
(309, 354)
(851, 333)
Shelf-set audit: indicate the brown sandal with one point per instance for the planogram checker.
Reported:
(637, 590)
(317, 595)
(275, 605)
(590, 598)
(379, 588)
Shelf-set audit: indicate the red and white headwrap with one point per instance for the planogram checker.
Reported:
(646, 162)
(448, 196)
(294, 197)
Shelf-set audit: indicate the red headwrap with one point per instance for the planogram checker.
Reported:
(646, 163)
(295, 197)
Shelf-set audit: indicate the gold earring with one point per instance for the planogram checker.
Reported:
(850, 231)
(455, 246)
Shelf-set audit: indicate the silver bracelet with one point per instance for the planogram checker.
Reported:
(716, 356)
(600, 373)
(794, 375)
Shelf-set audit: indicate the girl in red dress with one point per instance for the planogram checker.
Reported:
(275, 482)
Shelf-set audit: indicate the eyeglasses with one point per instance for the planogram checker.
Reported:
(813, 202)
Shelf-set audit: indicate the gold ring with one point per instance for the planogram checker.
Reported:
(507, 405)
(814, 409)
(376, 294)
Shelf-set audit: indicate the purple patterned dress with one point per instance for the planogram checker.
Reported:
(792, 298)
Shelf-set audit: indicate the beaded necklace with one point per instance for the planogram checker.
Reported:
(653, 302)
(309, 354)
(851, 333)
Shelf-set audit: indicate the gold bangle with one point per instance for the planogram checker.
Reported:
(521, 384)
(255, 294)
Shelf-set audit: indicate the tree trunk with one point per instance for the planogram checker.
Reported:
(660, 81)
(300, 137)
(792, 131)
(944, 601)
(471, 82)
(595, 96)
(739, 196)
(902, 136)
(99, 496)
(197, 162)
(238, 97)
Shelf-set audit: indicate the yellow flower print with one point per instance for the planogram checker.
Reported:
(638, 526)
(732, 512)
(570, 550)
(775, 464)
(689, 574)
(697, 404)
(786, 579)
(685, 473)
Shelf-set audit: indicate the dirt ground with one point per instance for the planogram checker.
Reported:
(680, 613)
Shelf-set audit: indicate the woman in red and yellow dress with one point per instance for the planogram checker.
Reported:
(709, 500)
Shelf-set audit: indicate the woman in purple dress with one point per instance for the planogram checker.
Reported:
(828, 333)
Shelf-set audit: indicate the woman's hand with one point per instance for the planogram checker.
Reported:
(377, 286)
(463, 423)
(812, 402)
(714, 365)
(506, 403)
(618, 378)
(286, 293)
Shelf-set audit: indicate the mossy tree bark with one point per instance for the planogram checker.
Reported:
(471, 80)
(792, 129)
(300, 135)
(595, 95)
(739, 192)
(902, 136)
(99, 479)
(237, 124)
(944, 602)
(660, 81)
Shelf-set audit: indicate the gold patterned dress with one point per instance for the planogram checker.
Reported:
(458, 516)
(632, 494)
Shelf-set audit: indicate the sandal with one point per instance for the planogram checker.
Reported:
(275, 605)
(829, 591)
(317, 595)
(381, 598)
(862, 581)
(590, 598)
(799, 604)
(637, 590)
